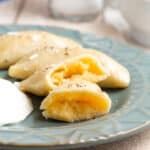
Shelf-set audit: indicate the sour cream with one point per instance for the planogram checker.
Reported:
(15, 106)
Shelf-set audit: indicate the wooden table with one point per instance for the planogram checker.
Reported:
(36, 12)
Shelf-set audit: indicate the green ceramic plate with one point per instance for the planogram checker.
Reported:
(130, 107)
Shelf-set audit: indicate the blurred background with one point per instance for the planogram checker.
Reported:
(124, 20)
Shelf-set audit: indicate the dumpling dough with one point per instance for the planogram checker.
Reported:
(74, 101)
(40, 59)
(85, 67)
(15, 106)
(15, 45)
(119, 75)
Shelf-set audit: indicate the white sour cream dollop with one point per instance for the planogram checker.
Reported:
(15, 106)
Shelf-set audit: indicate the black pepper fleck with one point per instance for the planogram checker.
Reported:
(66, 52)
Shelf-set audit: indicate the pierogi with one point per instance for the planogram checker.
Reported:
(74, 101)
(119, 75)
(85, 67)
(15, 45)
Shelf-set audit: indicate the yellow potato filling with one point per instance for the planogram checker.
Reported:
(85, 68)
(74, 106)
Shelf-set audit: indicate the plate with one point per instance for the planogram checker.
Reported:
(130, 111)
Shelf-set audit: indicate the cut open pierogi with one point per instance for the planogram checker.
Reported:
(119, 75)
(85, 67)
(74, 101)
